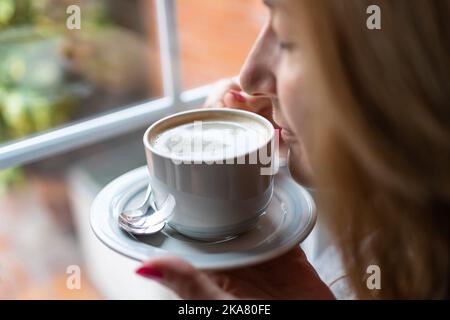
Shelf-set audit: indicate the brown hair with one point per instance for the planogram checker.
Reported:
(382, 141)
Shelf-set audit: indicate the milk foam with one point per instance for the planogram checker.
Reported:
(211, 139)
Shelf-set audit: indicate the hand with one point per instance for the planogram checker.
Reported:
(289, 276)
(227, 93)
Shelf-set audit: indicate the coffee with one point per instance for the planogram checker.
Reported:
(207, 199)
(211, 139)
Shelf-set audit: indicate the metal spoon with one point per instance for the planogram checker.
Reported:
(135, 221)
(136, 214)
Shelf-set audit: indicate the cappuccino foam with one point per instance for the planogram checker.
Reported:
(207, 140)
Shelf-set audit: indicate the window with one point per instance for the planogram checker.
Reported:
(216, 43)
(51, 77)
(74, 105)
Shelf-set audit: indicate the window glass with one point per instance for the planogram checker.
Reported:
(52, 73)
(215, 37)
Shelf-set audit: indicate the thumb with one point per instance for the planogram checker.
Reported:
(240, 99)
(181, 277)
(259, 103)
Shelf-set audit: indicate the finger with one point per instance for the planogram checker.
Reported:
(258, 103)
(219, 90)
(183, 278)
(241, 100)
(234, 100)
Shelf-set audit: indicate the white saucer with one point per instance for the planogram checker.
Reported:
(288, 220)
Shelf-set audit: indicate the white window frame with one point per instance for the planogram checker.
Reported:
(107, 126)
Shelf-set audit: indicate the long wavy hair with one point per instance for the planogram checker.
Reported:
(382, 139)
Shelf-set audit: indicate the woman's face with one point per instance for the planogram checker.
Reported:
(274, 68)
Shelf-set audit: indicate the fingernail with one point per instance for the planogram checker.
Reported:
(238, 96)
(150, 273)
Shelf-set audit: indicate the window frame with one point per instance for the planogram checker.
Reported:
(103, 127)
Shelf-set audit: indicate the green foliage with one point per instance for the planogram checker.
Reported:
(35, 94)
(27, 111)
(9, 177)
(16, 12)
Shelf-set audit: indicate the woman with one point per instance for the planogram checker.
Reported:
(366, 115)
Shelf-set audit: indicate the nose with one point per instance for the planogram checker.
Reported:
(258, 73)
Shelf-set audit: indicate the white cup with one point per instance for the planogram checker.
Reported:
(217, 200)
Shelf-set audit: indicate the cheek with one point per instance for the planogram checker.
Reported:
(293, 162)
(299, 165)
(293, 99)
(294, 107)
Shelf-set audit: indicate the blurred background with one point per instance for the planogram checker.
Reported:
(51, 77)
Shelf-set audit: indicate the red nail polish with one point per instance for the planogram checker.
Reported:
(150, 273)
(238, 96)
